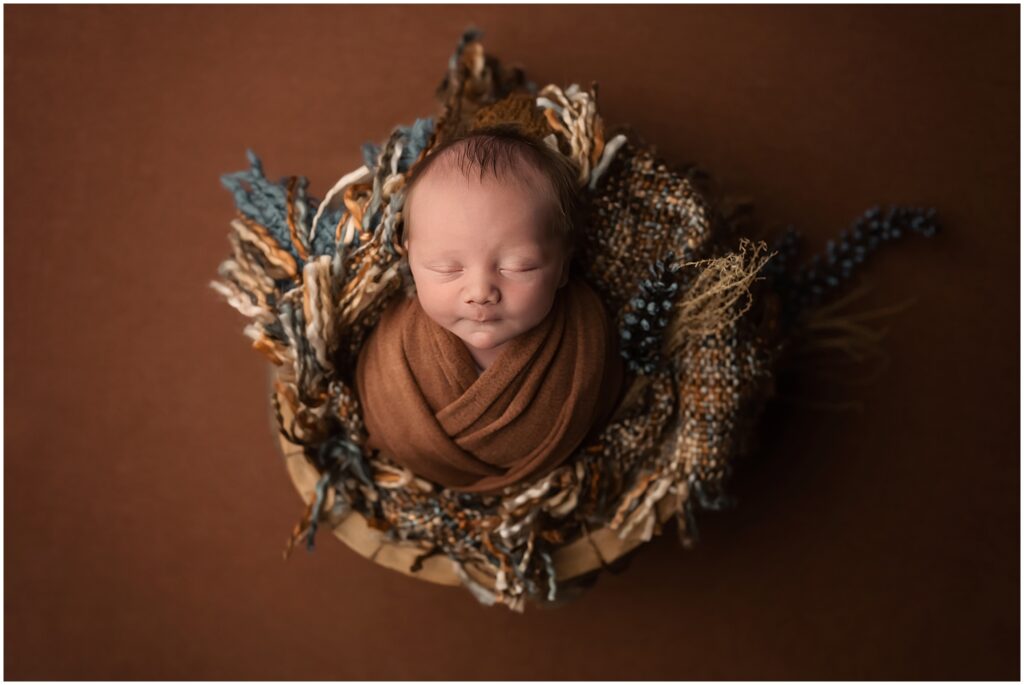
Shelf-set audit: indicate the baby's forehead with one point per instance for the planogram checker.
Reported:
(455, 186)
(452, 177)
(447, 182)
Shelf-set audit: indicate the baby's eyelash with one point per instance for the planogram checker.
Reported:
(455, 270)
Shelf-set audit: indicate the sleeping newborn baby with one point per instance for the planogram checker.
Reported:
(503, 364)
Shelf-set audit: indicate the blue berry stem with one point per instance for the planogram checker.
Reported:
(803, 288)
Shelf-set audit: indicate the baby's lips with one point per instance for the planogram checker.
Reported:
(481, 318)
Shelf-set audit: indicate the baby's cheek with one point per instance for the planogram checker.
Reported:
(436, 305)
(536, 302)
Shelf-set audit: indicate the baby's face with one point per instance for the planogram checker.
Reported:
(484, 262)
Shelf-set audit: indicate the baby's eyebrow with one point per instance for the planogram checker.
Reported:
(451, 252)
(528, 250)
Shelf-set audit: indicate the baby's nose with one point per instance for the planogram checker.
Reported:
(482, 291)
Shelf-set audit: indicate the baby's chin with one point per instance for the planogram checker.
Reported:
(482, 339)
(482, 336)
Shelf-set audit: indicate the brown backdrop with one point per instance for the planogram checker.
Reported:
(146, 503)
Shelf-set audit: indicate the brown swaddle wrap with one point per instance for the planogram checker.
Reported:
(426, 407)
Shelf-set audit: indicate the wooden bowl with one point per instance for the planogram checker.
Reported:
(574, 560)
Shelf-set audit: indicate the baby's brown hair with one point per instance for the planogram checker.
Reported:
(500, 152)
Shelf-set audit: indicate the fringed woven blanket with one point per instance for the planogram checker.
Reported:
(702, 315)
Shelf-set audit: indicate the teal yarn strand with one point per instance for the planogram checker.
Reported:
(265, 203)
(318, 507)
